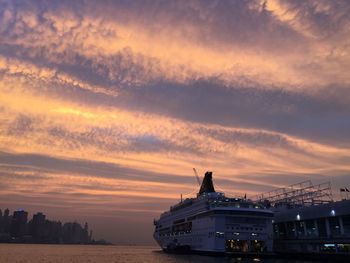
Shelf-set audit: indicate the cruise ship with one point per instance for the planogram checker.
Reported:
(214, 223)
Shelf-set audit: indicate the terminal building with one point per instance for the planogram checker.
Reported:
(307, 220)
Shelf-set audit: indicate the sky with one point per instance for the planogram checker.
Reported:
(106, 106)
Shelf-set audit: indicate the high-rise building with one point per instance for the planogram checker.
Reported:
(6, 221)
(85, 233)
(18, 223)
(38, 226)
(7, 212)
(90, 236)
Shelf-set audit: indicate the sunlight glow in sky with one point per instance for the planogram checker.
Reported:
(106, 106)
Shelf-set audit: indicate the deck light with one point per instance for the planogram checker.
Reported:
(298, 217)
(333, 213)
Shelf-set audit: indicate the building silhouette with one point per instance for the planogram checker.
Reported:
(39, 229)
(6, 221)
(19, 223)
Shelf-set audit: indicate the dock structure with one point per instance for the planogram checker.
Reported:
(301, 194)
(307, 220)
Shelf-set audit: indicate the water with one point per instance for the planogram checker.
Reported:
(20, 253)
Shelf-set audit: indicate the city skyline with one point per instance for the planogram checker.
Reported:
(17, 228)
(107, 106)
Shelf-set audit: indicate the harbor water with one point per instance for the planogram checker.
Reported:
(31, 253)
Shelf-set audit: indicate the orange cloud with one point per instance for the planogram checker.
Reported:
(105, 109)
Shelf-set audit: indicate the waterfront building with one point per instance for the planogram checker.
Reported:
(318, 228)
(308, 221)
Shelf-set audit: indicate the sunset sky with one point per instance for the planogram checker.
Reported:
(106, 106)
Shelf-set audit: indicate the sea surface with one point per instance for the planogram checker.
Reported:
(11, 253)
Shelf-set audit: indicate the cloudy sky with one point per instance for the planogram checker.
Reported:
(106, 106)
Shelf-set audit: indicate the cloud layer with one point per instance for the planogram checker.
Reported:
(106, 107)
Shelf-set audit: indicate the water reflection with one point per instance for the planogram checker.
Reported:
(163, 257)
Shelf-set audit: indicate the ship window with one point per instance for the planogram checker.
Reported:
(182, 228)
(245, 220)
(219, 234)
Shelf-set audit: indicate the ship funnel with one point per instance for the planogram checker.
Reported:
(207, 184)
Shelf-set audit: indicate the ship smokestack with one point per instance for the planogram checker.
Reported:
(207, 184)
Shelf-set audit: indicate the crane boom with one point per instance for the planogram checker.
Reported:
(197, 177)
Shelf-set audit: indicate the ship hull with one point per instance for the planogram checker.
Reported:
(220, 234)
(214, 223)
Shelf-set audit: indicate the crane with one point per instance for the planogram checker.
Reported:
(197, 177)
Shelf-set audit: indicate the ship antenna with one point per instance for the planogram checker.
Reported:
(197, 176)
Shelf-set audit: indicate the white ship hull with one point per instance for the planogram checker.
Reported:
(216, 224)
(217, 233)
